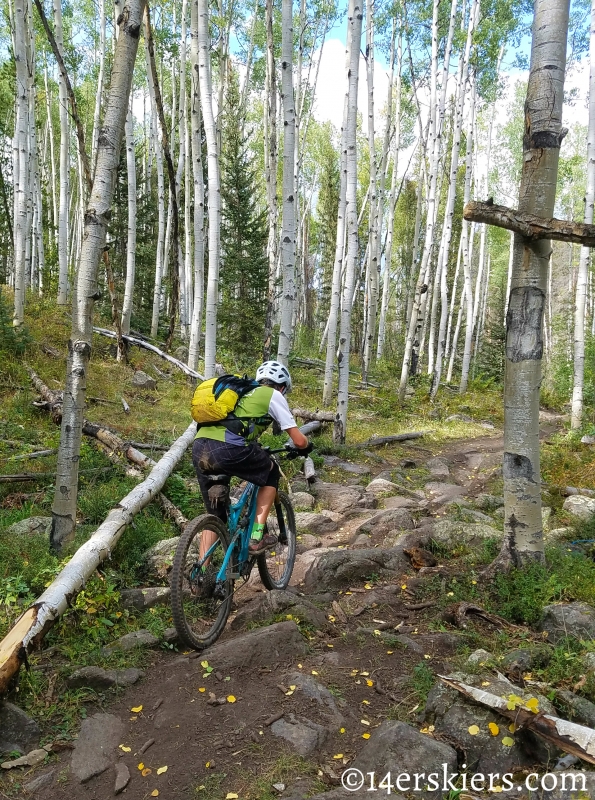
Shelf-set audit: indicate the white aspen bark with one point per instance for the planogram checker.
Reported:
(206, 98)
(188, 255)
(63, 231)
(100, 79)
(52, 156)
(160, 205)
(583, 268)
(453, 300)
(180, 171)
(355, 17)
(373, 260)
(455, 338)
(509, 275)
(524, 328)
(333, 318)
(20, 161)
(131, 241)
(270, 165)
(450, 202)
(288, 235)
(96, 222)
(34, 623)
(431, 206)
(199, 196)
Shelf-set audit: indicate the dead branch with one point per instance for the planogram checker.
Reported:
(133, 340)
(320, 416)
(530, 226)
(458, 615)
(568, 736)
(377, 441)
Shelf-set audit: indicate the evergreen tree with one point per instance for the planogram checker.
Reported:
(244, 234)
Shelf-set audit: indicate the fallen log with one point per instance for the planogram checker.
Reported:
(568, 736)
(530, 226)
(319, 416)
(25, 477)
(310, 427)
(134, 340)
(309, 470)
(112, 443)
(37, 454)
(36, 621)
(377, 441)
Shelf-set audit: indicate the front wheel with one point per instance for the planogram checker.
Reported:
(200, 604)
(276, 565)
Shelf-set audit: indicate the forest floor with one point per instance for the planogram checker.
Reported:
(343, 673)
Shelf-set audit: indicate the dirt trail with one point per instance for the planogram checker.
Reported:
(224, 748)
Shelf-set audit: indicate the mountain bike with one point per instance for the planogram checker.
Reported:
(201, 598)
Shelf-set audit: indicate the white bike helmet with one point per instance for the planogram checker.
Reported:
(275, 372)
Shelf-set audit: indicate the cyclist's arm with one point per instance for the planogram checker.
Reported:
(297, 437)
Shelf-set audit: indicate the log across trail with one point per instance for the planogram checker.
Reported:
(37, 620)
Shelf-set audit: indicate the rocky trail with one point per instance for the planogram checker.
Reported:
(307, 682)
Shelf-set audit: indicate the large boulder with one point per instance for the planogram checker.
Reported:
(30, 525)
(141, 380)
(281, 642)
(317, 524)
(319, 694)
(131, 641)
(488, 502)
(304, 736)
(337, 568)
(141, 599)
(403, 751)
(568, 619)
(344, 499)
(101, 679)
(96, 747)
(381, 487)
(266, 606)
(438, 467)
(582, 508)
(453, 715)
(18, 731)
(451, 533)
(580, 709)
(392, 519)
(441, 493)
(302, 501)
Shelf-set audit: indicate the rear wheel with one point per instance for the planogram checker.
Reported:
(276, 565)
(200, 604)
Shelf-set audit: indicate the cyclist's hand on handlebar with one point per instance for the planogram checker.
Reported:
(295, 452)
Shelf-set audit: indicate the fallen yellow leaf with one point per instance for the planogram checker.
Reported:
(512, 727)
(293, 687)
(370, 683)
(338, 756)
(341, 730)
(161, 770)
(366, 702)
(332, 619)
(124, 748)
(364, 721)
(533, 704)
(231, 796)
(494, 729)
(299, 666)
(330, 645)
(507, 741)
(366, 735)
(231, 698)
(141, 766)
(208, 764)
(146, 771)
(389, 652)
(353, 672)
(367, 586)
(365, 673)
(485, 683)
(136, 709)
(513, 700)
(473, 730)
(201, 689)
(204, 664)
(155, 793)
(290, 692)
(314, 672)
(404, 586)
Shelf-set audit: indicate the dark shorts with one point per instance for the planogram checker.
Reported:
(250, 463)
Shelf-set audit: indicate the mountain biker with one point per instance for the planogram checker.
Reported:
(230, 448)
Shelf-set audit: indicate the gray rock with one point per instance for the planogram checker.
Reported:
(310, 522)
(489, 426)
(122, 777)
(353, 469)
(452, 715)
(344, 499)
(479, 657)
(568, 619)
(40, 782)
(30, 525)
(130, 641)
(451, 533)
(582, 508)
(520, 661)
(380, 486)
(100, 679)
(441, 493)
(95, 748)
(589, 660)
(142, 599)
(438, 467)
(141, 380)
(362, 540)
(401, 502)
(306, 541)
(340, 567)
(261, 647)
(384, 521)
(458, 418)
(488, 502)
(557, 534)
(170, 636)
(18, 731)
(402, 750)
(581, 709)
(304, 736)
(302, 501)
(318, 693)
(181, 353)
(266, 606)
